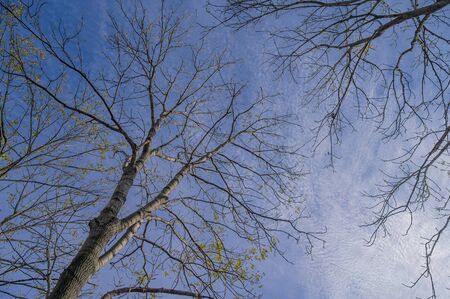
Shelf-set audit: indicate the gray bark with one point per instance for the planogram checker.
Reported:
(101, 230)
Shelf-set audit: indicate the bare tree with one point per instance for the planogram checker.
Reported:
(387, 61)
(201, 173)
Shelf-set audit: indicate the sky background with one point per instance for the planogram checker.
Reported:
(345, 267)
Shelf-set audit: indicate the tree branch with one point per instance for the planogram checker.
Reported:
(118, 292)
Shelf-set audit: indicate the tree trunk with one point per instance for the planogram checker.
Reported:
(102, 229)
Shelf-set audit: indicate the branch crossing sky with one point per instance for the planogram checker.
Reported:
(345, 267)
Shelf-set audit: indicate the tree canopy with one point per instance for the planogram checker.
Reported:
(152, 161)
(149, 162)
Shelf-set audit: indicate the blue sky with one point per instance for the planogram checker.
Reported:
(345, 267)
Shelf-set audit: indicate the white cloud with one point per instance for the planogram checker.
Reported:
(346, 267)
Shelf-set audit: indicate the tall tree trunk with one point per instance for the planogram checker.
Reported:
(101, 230)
